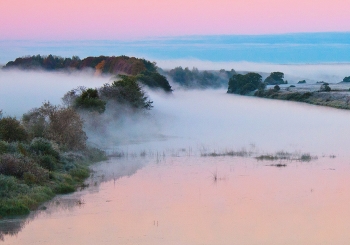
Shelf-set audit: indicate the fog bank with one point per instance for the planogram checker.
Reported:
(21, 91)
(328, 72)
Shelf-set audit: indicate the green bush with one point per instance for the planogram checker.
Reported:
(243, 84)
(48, 162)
(154, 80)
(41, 146)
(126, 91)
(3, 147)
(64, 188)
(12, 130)
(90, 100)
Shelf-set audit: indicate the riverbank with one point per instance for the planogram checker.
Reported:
(338, 97)
(64, 173)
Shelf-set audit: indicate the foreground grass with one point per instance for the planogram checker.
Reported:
(21, 193)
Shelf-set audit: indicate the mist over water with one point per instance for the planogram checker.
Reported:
(21, 91)
(203, 120)
(173, 195)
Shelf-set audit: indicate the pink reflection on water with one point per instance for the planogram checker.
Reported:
(178, 201)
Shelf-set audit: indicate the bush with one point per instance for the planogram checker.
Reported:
(41, 146)
(325, 87)
(3, 147)
(61, 125)
(243, 84)
(48, 162)
(126, 91)
(275, 78)
(22, 168)
(12, 130)
(154, 80)
(90, 100)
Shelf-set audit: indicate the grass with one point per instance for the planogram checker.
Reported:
(26, 182)
(279, 155)
(241, 153)
(339, 98)
(282, 155)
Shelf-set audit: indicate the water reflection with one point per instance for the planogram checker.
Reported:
(110, 170)
(201, 200)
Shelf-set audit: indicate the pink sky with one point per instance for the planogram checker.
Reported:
(115, 19)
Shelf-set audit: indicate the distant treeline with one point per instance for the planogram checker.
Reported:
(104, 64)
(144, 70)
(199, 79)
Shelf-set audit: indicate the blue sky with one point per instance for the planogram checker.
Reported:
(280, 49)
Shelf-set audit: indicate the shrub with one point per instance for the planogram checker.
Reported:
(325, 87)
(243, 84)
(64, 188)
(22, 167)
(126, 91)
(3, 147)
(48, 162)
(276, 88)
(12, 130)
(59, 124)
(275, 78)
(154, 80)
(90, 100)
(41, 146)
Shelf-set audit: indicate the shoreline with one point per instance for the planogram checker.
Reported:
(24, 196)
(338, 97)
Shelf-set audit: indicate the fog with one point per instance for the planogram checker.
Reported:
(21, 91)
(200, 120)
(331, 72)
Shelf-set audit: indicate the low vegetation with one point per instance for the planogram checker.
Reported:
(280, 155)
(42, 155)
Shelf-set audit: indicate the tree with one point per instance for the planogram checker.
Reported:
(154, 80)
(127, 92)
(59, 124)
(275, 78)
(325, 87)
(276, 88)
(90, 100)
(11, 130)
(346, 79)
(243, 84)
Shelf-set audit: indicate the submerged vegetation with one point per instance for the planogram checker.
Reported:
(280, 155)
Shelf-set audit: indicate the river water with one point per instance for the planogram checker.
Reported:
(162, 189)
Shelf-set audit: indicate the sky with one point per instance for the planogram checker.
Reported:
(135, 19)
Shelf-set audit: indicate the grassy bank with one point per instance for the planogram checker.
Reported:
(35, 172)
(335, 98)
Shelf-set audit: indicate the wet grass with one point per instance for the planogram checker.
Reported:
(20, 193)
